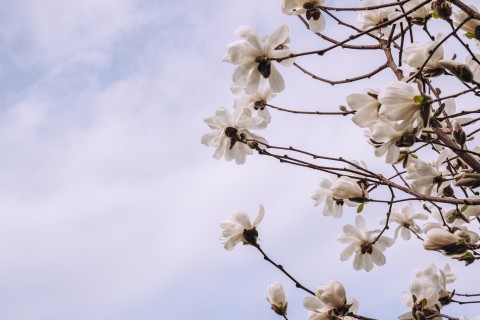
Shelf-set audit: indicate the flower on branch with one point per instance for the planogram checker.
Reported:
(401, 102)
(253, 57)
(460, 70)
(238, 228)
(256, 101)
(420, 52)
(346, 188)
(276, 298)
(230, 132)
(316, 20)
(428, 178)
(418, 17)
(428, 292)
(405, 219)
(370, 18)
(474, 66)
(387, 140)
(333, 207)
(453, 243)
(330, 303)
(471, 27)
(362, 242)
(366, 106)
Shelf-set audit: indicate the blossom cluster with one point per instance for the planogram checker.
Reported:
(399, 120)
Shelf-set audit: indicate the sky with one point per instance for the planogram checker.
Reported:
(109, 204)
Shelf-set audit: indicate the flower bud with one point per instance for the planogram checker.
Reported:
(442, 9)
(439, 239)
(458, 133)
(332, 294)
(276, 298)
(470, 180)
(459, 70)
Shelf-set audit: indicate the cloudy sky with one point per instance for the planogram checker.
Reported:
(109, 204)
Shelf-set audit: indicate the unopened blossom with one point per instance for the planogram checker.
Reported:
(420, 52)
(361, 243)
(405, 219)
(460, 70)
(228, 129)
(471, 27)
(366, 106)
(401, 102)
(474, 66)
(276, 298)
(332, 207)
(330, 302)
(238, 228)
(254, 58)
(370, 18)
(346, 188)
(428, 178)
(316, 20)
(387, 140)
(440, 239)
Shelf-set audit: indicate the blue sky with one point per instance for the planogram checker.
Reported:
(109, 204)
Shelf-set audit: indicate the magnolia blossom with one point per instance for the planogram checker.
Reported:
(366, 106)
(387, 140)
(276, 298)
(400, 102)
(228, 129)
(330, 302)
(361, 242)
(470, 26)
(429, 290)
(419, 53)
(316, 20)
(370, 18)
(405, 219)
(253, 57)
(419, 16)
(333, 207)
(428, 177)
(439, 239)
(346, 188)
(256, 102)
(238, 228)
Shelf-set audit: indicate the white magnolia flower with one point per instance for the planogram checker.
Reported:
(420, 15)
(253, 58)
(405, 219)
(227, 129)
(370, 18)
(330, 302)
(441, 239)
(256, 101)
(400, 102)
(276, 298)
(366, 106)
(470, 26)
(429, 289)
(428, 177)
(333, 207)
(238, 228)
(346, 188)
(387, 139)
(316, 20)
(419, 52)
(361, 243)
